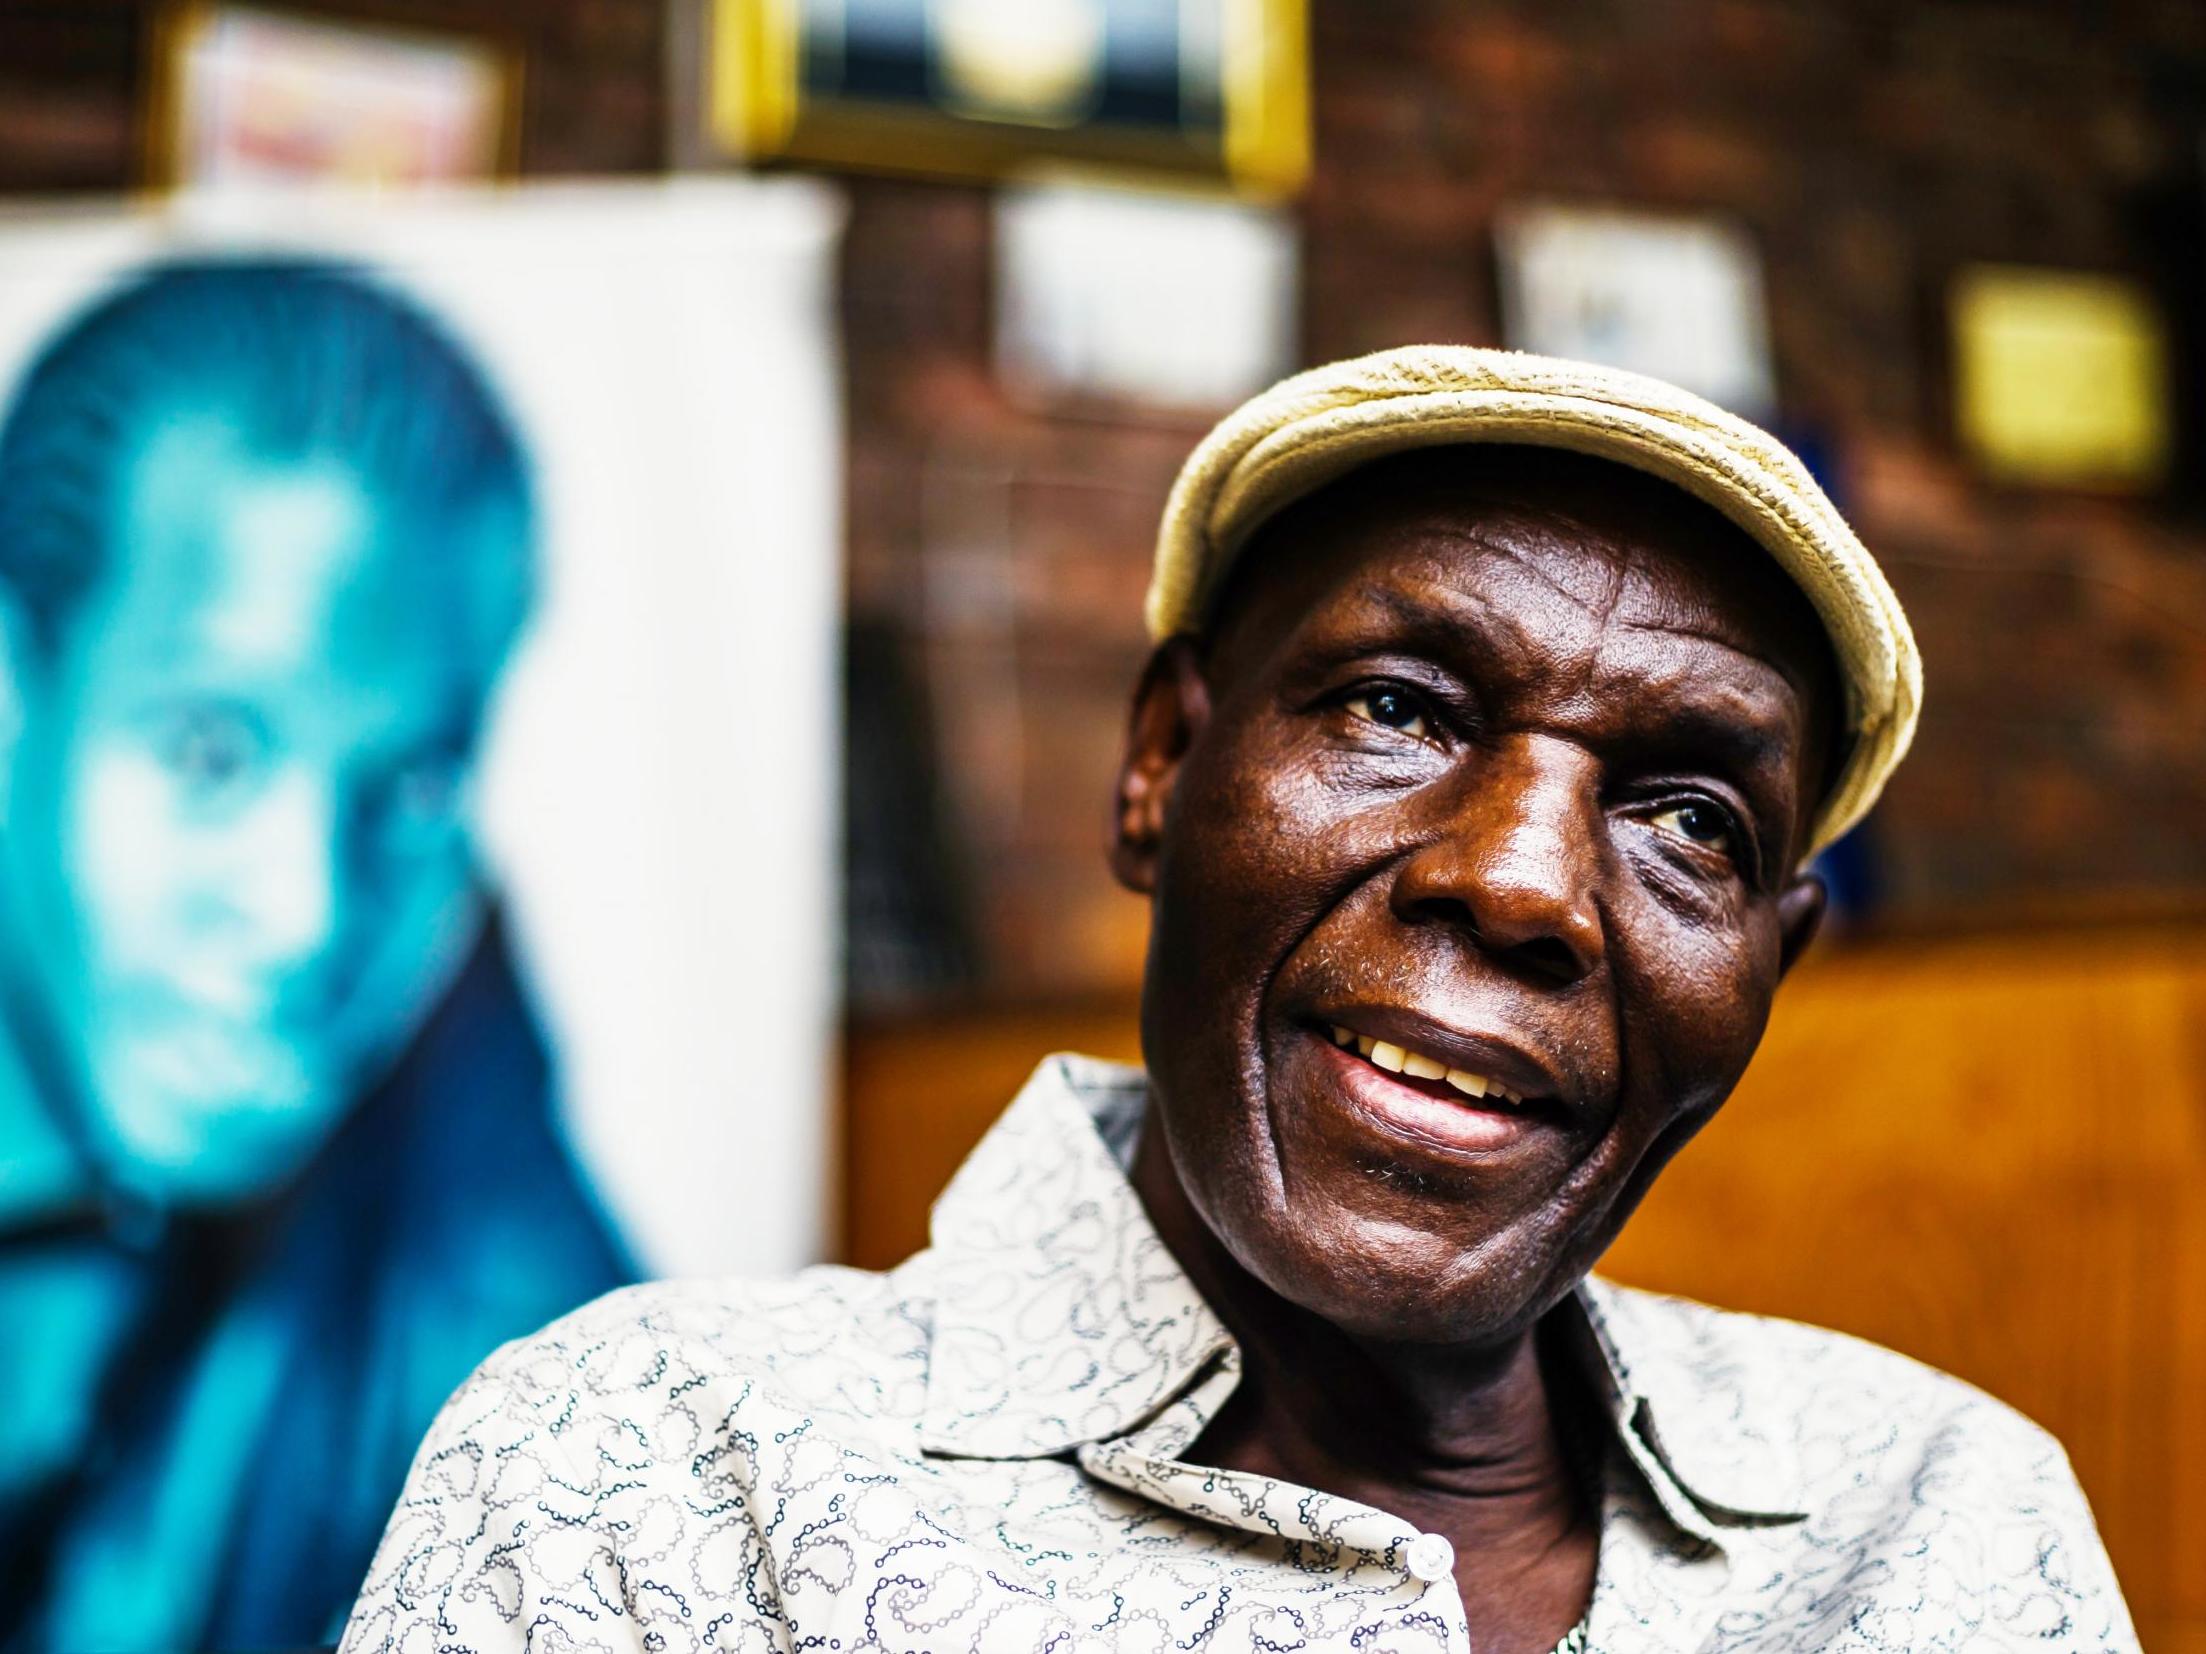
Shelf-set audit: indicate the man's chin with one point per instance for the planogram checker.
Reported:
(230, 1170)
(1381, 1280)
(200, 1145)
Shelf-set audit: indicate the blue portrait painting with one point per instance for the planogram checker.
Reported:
(279, 1153)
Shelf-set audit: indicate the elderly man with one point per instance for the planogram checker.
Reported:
(1498, 706)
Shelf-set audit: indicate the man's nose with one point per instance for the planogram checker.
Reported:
(1517, 862)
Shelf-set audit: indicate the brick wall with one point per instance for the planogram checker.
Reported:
(1871, 146)
(1871, 149)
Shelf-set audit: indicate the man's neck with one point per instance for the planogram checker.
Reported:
(1461, 1441)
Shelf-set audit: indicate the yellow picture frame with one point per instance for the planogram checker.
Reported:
(2061, 378)
(758, 107)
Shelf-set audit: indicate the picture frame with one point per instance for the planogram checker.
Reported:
(1678, 296)
(265, 96)
(2061, 379)
(982, 88)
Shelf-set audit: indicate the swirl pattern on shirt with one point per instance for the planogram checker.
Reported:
(981, 1451)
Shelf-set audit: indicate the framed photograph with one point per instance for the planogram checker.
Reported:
(978, 88)
(1676, 296)
(1161, 299)
(244, 95)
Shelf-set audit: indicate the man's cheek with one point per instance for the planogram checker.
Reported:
(1713, 1026)
(1299, 824)
(123, 845)
(1242, 838)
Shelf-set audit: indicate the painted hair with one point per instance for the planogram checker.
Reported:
(305, 356)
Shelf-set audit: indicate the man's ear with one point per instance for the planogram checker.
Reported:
(1800, 908)
(1171, 705)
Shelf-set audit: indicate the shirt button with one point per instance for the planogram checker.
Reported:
(1431, 1558)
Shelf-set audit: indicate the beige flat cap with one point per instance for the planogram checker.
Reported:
(1308, 430)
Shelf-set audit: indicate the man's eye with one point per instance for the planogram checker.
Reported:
(1701, 823)
(208, 750)
(1390, 709)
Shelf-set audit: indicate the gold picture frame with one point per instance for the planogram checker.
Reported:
(990, 86)
(271, 94)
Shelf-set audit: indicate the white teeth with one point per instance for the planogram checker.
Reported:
(1397, 1059)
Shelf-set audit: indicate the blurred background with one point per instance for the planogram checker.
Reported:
(661, 843)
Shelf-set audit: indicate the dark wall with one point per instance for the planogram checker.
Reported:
(1871, 146)
(1872, 149)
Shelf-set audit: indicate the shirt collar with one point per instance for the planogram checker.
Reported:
(1699, 1421)
(1061, 1319)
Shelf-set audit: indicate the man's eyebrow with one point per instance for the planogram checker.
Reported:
(1695, 724)
(1454, 609)
(1752, 740)
(1692, 728)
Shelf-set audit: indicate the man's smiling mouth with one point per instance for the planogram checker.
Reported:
(1415, 1065)
(1433, 1082)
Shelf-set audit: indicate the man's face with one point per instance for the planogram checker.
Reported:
(1507, 773)
(235, 846)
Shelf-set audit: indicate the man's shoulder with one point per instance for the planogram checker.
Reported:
(1831, 1412)
(1903, 1490)
(827, 1343)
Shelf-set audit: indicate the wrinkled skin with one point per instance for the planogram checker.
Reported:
(1510, 757)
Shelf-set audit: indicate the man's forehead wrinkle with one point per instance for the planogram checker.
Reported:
(1684, 654)
(1587, 573)
(1685, 623)
(1750, 724)
(1612, 568)
(1441, 608)
(1701, 630)
(1655, 604)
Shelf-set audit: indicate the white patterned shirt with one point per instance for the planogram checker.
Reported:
(983, 1450)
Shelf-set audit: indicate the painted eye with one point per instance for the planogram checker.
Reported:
(1700, 823)
(208, 750)
(1390, 709)
(428, 790)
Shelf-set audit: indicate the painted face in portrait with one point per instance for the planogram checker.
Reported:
(237, 855)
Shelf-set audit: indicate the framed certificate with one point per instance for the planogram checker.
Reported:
(2061, 378)
(976, 88)
(249, 96)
